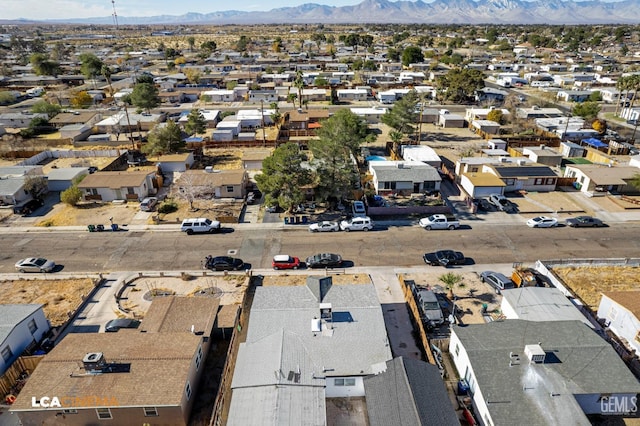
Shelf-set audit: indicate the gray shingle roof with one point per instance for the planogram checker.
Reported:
(410, 392)
(578, 362)
(12, 315)
(411, 171)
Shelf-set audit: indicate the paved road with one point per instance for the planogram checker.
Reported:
(398, 246)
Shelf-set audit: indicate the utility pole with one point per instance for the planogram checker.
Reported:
(264, 138)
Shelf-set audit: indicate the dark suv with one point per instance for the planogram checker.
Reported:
(28, 207)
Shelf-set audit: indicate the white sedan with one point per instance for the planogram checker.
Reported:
(324, 226)
(35, 264)
(542, 222)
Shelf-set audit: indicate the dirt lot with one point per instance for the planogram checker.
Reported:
(286, 280)
(59, 297)
(587, 282)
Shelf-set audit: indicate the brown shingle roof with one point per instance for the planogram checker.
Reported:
(175, 314)
(629, 300)
(159, 366)
(202, 178)
(72, 118)
(310, 115)
(114, 180)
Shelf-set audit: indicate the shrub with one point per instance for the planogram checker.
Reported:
(71, 195)
(168, 206)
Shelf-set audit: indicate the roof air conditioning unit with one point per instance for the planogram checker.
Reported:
(503, 159)
(535, 353)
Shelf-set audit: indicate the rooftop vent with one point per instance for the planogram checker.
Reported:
(93, 361)
(535, 353)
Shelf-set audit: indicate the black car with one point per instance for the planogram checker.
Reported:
(116, 324)
(444, 258)
(28, 207)
(584, 222)
(224, 263)
(324, 260)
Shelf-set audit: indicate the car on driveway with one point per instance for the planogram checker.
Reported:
(444, 258)
(542, 222)
(584, 222)
(35, 264)
(324, 260)
(284, 261)
(224, 263)
(148, 204)
(502, 203)
(324, 226)
(497, 280)
(118, 323)
(28, 207)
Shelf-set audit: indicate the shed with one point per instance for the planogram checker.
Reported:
(486, 126)
(448, 120)
(571, 150)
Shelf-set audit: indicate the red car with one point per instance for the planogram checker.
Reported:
(283, 261)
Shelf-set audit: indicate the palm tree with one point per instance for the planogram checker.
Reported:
(622, 86)
(634, 83)
(450, 280)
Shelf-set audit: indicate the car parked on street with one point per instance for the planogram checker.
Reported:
(324, 226)
(224, 263)
(357, 224)
(324, 260)
(444, 258)
(35, 264)
(284, 261)
(497, 280)
(584, 222)
(200, 225)
(118, 323)
(148, 204)
(438, 221)
(542, 222)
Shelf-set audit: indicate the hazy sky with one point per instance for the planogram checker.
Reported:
(56, 9)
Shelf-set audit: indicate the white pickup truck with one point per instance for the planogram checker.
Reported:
(438, 221)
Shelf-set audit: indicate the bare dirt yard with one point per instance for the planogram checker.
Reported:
(293, 280)
(587, 282)
(59, 297)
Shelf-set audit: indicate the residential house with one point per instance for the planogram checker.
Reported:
(62, 178)
(543, 155)
(218, 95)
(573, 95)
(594, 179)
(211, 117)
(228, 129)
(347, 95)
(255, 118)
(540, 304)
(448, 120)
(19, 120)
(21, 327)
(490, 95)
(141, 376)
(408, 392)
(537, 112)
(524, 176)
(404, 177)
(305, 122)
(472, 114)
(372, 115)
(110, 186)
(263, 96)
(252, 159)
(619, 311)
(126, 121)
(479, 184)
(539, 372)
(304, 345)
(88, 118)
(219, 184)
(424, 154)
(310, 94)
(12, 179)
(485, 127)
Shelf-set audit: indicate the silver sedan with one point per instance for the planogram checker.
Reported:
(324, 226)
(35, 264)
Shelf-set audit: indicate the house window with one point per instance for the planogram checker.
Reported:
(33, 327)
(199, 358)
(6, 354)
(104, 413)
(550, 181)
(187, 391)
(150, 412)
(389, 185)
(538, 181)
(131, 191)
(344, 382)
(474, 169)
(613, 313)
(229, 188)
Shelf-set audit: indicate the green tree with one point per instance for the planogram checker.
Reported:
(460, 85)
(298, 82)
(164, 138)
(195, 123)
(105, 71)
(496, 115)
(586, 110)
(450, 280)
(145, 96)
(192, 42)
(43, 65)
(71, 195)
(283, 178)
(35, 185)
(45, 107)
(402, 117)
(412, 55)
(90, 65)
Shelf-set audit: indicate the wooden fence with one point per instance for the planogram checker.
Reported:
(417, 321)
(13, 379)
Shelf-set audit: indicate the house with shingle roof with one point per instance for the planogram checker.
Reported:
(540, 372)
(404, 177)
(110, 186)
(21, 327)
(620, 312)
(145, 376)
(219, 184)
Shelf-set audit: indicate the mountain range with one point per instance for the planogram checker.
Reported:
(406, 12)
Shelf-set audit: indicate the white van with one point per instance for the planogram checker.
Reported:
(200, 225)
(357, 224)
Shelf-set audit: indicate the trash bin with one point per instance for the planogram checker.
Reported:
(286, 220)
(463, 387)
(100, 228)
(305, 219)
(91, 228)
(114, 227)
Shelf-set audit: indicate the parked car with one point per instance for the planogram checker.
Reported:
(497, 280)
(584, 222)
(444, 258)
(116, 324)
(324, 260)
(429, 307)
(358, 209)
(224, 263)
(502, 203)
(542, 222)
(284, 261)
(200, 225)
(35, 264)
(324, 226)
(28, 207)
(148, 204)
(438, 221)
(357, 224)
(484, 205)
